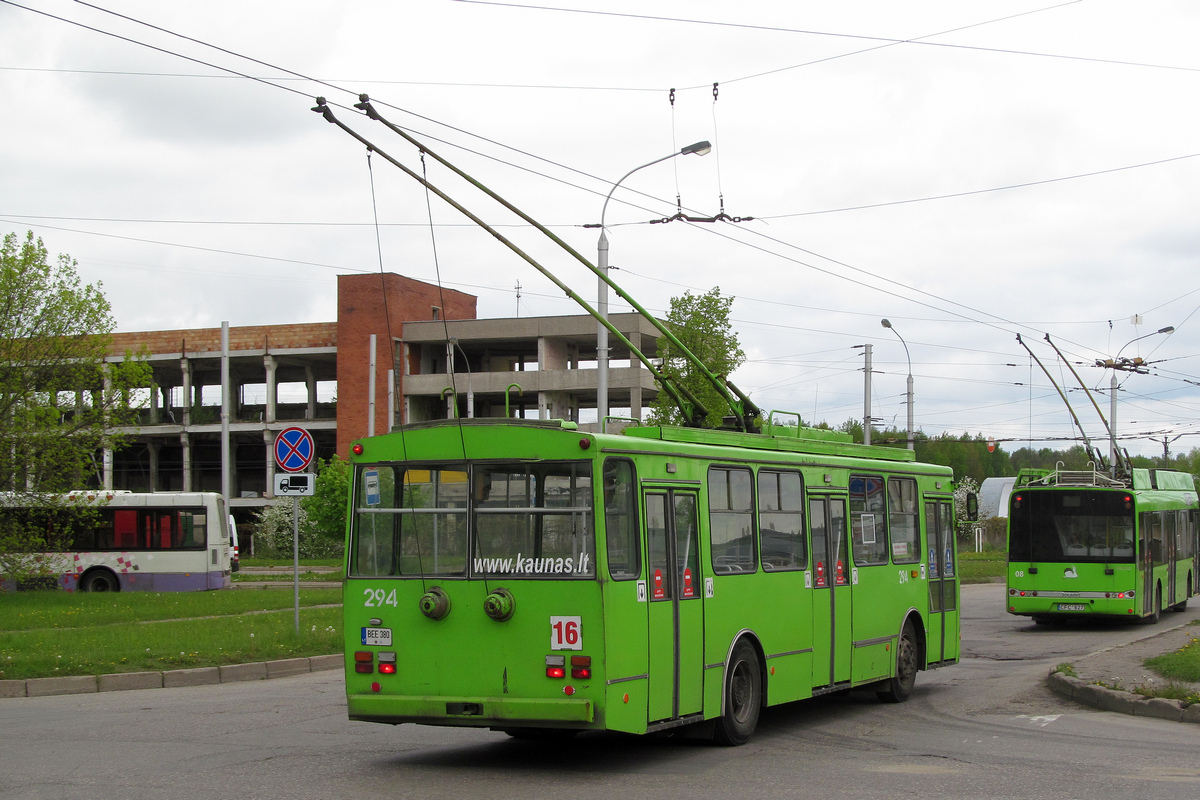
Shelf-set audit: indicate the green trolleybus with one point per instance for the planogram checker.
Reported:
(527, 576)
(1081, 543)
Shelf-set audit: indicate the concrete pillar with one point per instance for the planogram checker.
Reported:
(185, 442)
(185, 369)
(105, 396)
(269, 441)
(153, 446)
(310, 383)
(226, 409)
(269, 364)
(155, 411)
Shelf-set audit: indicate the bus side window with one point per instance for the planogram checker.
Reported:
(781, 521)
(125, 528)
(902, 520)
(620, 520)
(731, 520)
(868, 520)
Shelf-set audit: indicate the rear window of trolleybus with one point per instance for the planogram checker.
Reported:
(515, 520)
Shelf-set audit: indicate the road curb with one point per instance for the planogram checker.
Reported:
(1106, 699)
(173, 678)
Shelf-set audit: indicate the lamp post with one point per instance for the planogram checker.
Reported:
(1116, 364)
(887, 324)
(700, 149)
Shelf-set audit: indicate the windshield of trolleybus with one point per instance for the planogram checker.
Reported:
(1071, 526)
(487, 520)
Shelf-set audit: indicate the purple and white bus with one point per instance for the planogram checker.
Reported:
(119, 541)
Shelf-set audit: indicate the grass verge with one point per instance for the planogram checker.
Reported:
(1182, 665)
(241, 577)
(982, 567)
(49, 634)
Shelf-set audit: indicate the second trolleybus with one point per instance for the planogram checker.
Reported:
(1082, 543)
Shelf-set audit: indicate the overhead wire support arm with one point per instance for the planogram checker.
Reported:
(746, 412)
(1060, 392)
(691, 408)
(1124, 467)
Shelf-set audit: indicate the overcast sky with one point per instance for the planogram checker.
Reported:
(968, 170)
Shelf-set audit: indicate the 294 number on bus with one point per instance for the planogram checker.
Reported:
(378, 598)
(565, 633)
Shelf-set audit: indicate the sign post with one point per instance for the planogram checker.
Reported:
(294, 451)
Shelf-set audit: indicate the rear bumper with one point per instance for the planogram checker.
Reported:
(471, 711)
(1049, 606)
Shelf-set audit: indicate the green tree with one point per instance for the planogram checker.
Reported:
(326, 508)
(59, 401)
(701, 323)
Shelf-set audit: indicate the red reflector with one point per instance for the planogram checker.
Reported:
(364, 656)
(375, 687)
(387, 669)
(581, 672)
(555, 672)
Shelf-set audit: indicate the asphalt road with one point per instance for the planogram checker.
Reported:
(985, 728)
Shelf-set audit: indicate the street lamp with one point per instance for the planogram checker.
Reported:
(887, 324)
(700, 149)
(1112, 393)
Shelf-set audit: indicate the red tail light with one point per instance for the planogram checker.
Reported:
(581, 667)
(555, 672)
(387, 669)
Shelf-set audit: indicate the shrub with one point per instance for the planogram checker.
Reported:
(273, 536)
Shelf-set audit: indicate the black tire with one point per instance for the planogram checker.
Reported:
(743, 697)
(100, 580)
(900, 686)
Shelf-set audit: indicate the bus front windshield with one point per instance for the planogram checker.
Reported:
(1071, 526)
(527, 520)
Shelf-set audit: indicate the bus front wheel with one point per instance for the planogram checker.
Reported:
(100, 580)
(900, 685)
(743, 697)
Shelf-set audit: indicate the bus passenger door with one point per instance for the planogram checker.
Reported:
(832, 633)
(941, 626)
(676, 643)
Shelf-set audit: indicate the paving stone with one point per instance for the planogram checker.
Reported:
(254, 671)
(122, 681)
(68, 684)
(287, 666)
(196, 676)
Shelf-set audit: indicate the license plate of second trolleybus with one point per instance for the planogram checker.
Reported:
(381, 637)
(1061, 607)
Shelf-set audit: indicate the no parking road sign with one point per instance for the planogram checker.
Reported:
(294, 449)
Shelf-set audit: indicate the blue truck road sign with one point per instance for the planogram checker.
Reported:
(294, 449)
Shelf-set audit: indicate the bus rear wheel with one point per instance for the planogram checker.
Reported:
(100, 580)
(743, 697)
(900, 685)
